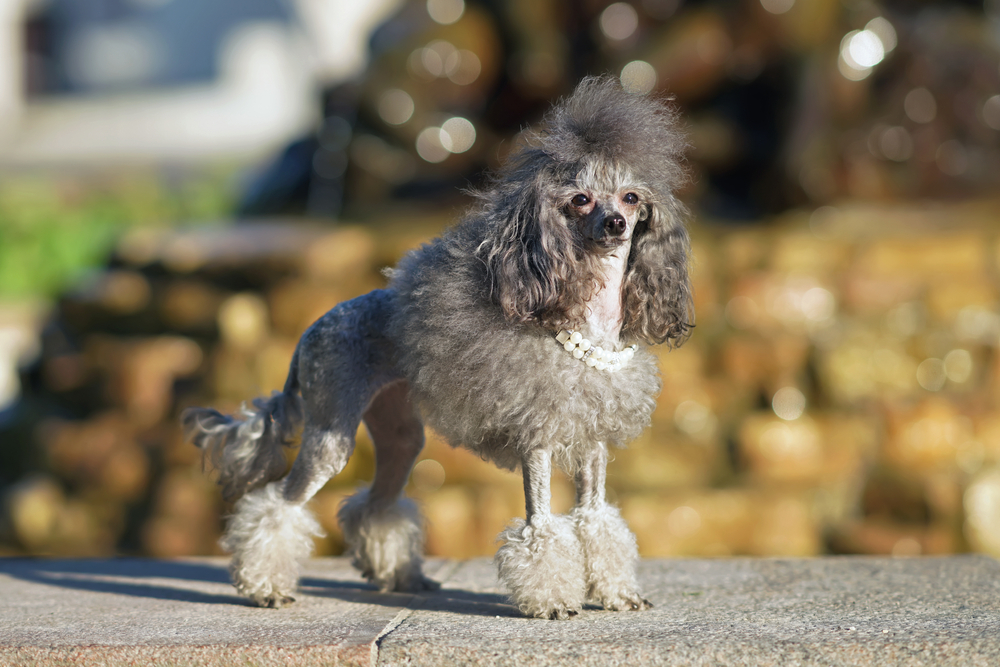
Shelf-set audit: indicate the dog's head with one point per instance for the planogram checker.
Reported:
(600, 175)
(603, 206)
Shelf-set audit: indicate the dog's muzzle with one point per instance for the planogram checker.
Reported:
(615, 225)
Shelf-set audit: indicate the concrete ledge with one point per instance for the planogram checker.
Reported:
(828, 611)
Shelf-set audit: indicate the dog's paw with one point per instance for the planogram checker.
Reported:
(611, 557)
(275, 601)
(411, 584)
(560, 613)
(627, 602)
(424, 584)
(542, 566)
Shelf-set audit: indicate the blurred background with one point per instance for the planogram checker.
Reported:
(186, 185)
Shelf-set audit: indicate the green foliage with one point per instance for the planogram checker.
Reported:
(53, 228)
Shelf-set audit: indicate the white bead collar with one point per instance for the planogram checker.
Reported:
(594, 355)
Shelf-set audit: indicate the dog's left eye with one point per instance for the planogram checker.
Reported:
(631, 198)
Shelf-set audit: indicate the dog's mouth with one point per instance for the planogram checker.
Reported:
(607, 244)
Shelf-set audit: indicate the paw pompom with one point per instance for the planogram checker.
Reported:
(610, 556)
(542, 566)
(269, 537)
(386, 544)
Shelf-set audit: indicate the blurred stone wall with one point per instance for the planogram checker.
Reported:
(837, 395)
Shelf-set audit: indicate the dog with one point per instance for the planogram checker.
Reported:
(521, 333)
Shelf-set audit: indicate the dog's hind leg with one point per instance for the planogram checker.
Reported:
(383, 530)
(609, 548)
(341, 362)
(541, 562)
(272, 529)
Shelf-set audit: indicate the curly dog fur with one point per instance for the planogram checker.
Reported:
(579, 230)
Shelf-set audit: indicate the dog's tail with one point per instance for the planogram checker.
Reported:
(247, 450)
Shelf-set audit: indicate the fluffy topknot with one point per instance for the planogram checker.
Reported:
(600, 118)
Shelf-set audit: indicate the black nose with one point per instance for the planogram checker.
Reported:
(615, 224)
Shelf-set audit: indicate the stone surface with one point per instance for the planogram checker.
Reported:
(132, 611)
(829, 611)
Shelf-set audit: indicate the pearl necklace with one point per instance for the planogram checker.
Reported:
(594, 355)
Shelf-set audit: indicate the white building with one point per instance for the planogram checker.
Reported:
(130, 85)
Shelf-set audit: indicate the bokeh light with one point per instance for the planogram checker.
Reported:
(395, 106)
(817, 304)
(793, 441)
(619, 21)
(430, 146)
(431, 61)
(920, 106)
(895, 143)
(445, 12)
(428, 476)
(886, 34)
(952, 158)
(931, 374)
(982, 507)
(462, 67)
(683, 521)
(638, 77)
(694, 418)
(788, 403)
(991, 112)
(852, 71)
(958, 366)
(825, 223)
(458, 134)
(861, 50)
(864, 49)
(777, 6)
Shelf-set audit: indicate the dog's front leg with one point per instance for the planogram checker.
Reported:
(541, 562)
(609, 548)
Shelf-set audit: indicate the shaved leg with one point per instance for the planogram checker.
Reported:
(537, 472)
(384, 530)
(398, 436)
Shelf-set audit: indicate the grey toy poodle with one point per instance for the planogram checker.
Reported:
(520, 334)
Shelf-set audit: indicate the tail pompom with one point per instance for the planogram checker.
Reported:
(247, 450)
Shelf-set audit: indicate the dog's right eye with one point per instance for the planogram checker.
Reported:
(580, 200)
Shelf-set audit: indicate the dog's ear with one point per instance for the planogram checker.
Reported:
(536, 268)
(656, 296)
